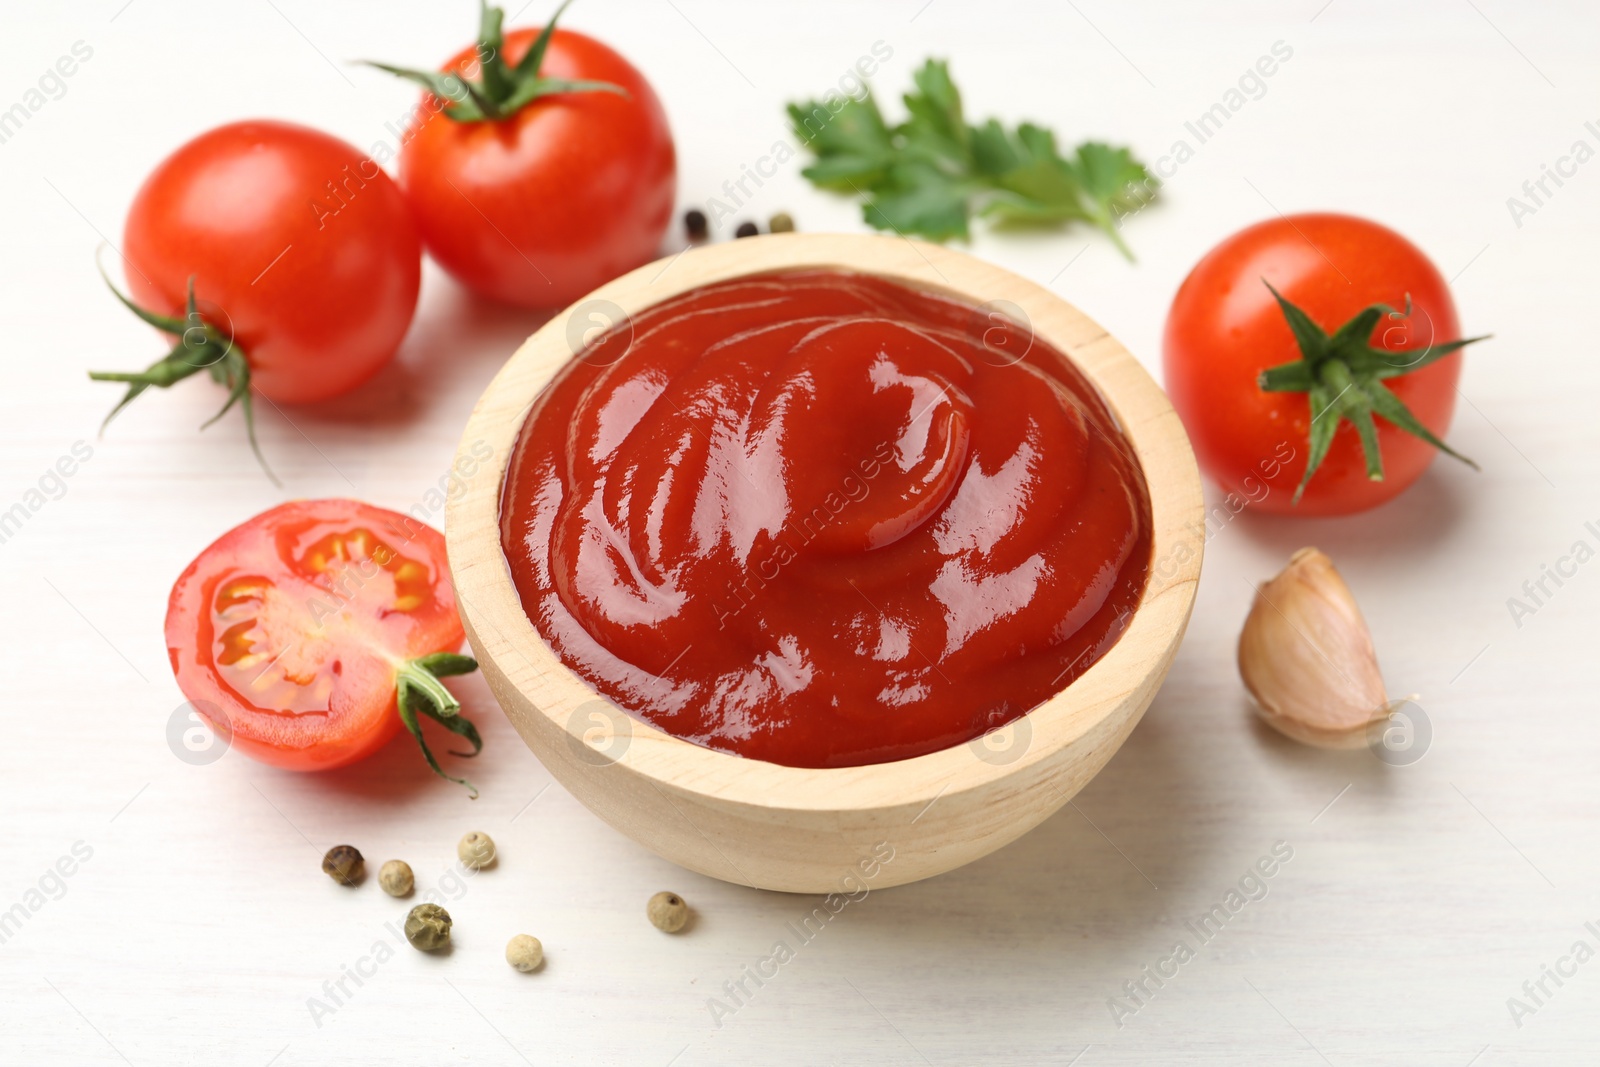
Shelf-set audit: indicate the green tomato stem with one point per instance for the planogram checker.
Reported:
(418, 691)
(1343, 377)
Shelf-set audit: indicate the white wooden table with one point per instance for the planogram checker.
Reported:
(195, 927)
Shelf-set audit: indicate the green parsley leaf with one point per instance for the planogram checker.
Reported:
(917, 197)
(931, 173)
(852, 145)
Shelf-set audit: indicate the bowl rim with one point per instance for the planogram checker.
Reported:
(503, 634)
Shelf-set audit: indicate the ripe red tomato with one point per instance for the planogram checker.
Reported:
(301, 248)
(571, 190)
(1225, 328)
(293, 633)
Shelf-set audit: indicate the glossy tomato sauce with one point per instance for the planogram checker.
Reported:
(822, 519)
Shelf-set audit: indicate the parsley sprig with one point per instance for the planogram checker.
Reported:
(932, 172)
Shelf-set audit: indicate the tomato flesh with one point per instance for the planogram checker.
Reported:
(291, 627)
(1225, 328)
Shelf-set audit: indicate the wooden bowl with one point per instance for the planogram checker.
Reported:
(807, 830)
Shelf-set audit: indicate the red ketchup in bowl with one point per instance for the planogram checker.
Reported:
(822, 519)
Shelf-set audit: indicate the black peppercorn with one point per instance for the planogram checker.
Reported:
(694, 223)
(343, 864)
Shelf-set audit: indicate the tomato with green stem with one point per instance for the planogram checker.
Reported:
(282, 262)
(1313, 360)
(311, 633)
(540, 165)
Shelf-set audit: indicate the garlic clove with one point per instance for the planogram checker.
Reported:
(1306, 656)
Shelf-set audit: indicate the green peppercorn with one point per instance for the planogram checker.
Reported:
(746, 229)
(780, 223)
(343, 864)
(428, 927)
(668, 913)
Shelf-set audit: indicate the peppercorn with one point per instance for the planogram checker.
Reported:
(476, 850)
(667, 912)
(428, 927)
(694, 224)
(343, 864)
(395, 878)
(780, 223)
(525, 953)
(746, 229)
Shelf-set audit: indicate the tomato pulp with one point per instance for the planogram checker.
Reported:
(821, 519)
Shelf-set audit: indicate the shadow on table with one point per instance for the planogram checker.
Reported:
(459, 344)
(1113, 874)
(1415, 523)
(397, 776)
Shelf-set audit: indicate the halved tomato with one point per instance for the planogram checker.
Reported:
(313, 631)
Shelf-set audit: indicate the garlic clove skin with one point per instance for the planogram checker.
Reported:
(1306, 656)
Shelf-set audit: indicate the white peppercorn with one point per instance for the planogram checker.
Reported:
(525, 953)
(668, 913)
(476, 850)
(395, 878)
